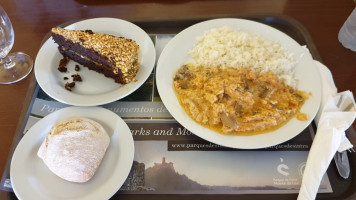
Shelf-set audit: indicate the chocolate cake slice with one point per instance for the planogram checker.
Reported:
(115, 57)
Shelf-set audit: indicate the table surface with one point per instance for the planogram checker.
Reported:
(32, 19)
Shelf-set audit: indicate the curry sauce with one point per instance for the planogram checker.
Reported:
(236, 101)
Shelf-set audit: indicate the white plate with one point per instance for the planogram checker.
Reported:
(31, 178)
(175, 54)
(96, 89)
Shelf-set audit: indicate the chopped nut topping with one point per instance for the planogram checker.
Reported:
(89, 31)
(123, 52)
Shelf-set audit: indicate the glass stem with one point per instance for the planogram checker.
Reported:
(7, 62)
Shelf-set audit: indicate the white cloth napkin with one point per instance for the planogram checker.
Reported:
(330, 136)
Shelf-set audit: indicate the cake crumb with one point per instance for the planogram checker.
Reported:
(77, 68)
(65, 78)
(69, 86)
(63, 64)
(62, 68)
(77, 77)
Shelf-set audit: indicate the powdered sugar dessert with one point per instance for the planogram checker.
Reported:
(74, 148)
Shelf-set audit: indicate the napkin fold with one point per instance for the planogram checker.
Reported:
(328, 90)
(330, 136)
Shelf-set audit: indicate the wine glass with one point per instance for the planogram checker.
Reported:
(13, 66)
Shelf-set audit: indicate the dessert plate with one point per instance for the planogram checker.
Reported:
(96, 89)
(31, 178)
(175, 54)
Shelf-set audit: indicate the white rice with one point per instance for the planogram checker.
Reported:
(227, 47)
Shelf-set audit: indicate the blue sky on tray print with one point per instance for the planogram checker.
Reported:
(232, 168)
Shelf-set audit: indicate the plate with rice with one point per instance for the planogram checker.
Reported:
(239, 44)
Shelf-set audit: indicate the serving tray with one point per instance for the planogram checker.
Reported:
(342, 189)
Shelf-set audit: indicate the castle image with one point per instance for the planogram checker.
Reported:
(164, 164)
